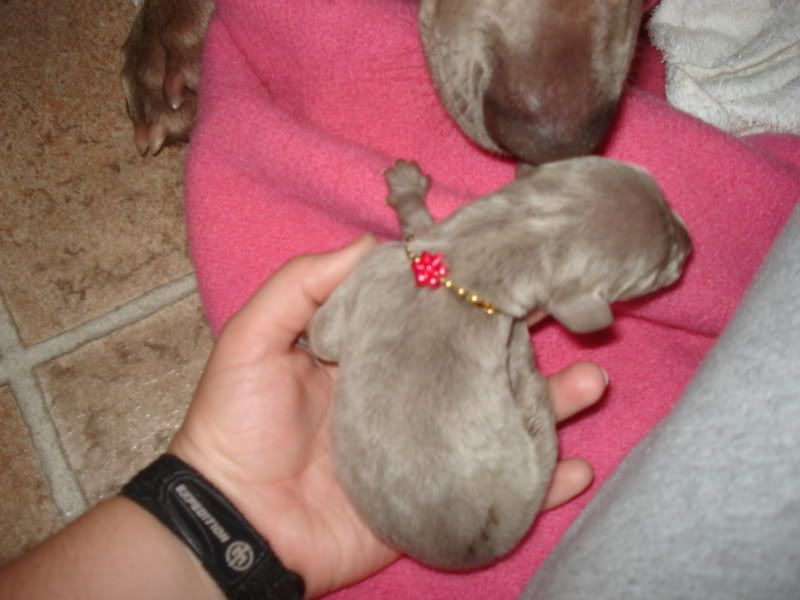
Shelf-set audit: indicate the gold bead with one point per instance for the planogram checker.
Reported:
(461, 291)
(448, 283)
(489, 310)
(473, 299)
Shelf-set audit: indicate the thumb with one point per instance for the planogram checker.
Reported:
(278, 312)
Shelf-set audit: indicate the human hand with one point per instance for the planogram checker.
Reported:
(259, 428)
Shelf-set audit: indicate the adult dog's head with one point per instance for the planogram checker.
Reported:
(538, 79)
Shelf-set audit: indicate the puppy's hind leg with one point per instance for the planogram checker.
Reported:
(408, 187)
(530, 391)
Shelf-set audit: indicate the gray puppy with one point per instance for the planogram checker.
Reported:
(444, 435)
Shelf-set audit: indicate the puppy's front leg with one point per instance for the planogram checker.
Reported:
(408, 187)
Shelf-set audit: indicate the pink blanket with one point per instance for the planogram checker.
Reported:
(306, 102)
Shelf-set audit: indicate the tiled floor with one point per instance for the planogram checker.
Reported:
(101, 333)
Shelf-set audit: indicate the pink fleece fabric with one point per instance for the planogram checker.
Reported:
(305, 103)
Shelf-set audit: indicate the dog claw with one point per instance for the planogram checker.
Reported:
(174, 84)
(158, 135)
(141, 138)
(149, 138)
(175, 102)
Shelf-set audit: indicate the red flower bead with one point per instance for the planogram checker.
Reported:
(429, 269)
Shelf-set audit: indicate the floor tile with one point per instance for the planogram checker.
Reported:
(87, 223)
(27, 511)
(117, 401)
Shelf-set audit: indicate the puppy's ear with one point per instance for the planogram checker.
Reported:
(582, 314)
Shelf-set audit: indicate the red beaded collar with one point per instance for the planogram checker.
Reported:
(430, 270)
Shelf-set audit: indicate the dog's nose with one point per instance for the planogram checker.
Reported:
(545, 135)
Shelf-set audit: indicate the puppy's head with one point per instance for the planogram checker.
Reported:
(538, 79)
(608, 235)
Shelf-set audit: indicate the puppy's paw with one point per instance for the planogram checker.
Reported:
(161, 70)
(405, 179)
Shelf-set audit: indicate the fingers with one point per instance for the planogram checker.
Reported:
(573, 389)
(576, 387)
(571, 477)
(279, 311)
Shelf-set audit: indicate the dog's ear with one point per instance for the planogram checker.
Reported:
(582, 314)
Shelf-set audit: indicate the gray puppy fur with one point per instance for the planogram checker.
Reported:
(444, 435)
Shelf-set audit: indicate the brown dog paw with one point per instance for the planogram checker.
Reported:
(161, 72)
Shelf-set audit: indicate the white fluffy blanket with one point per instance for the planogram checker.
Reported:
(732, 63)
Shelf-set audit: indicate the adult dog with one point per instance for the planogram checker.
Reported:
(537, 79)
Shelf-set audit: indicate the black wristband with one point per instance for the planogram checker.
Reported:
(236, 556)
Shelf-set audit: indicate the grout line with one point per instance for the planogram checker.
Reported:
(18, 362)
(64, 486)
(122, 316)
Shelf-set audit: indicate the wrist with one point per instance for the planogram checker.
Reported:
(183, 563)
(268, 522)
(115, 550)
(236, 556)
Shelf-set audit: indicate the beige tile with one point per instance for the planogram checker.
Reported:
(27, 511)
(85, 223)
(118, 400)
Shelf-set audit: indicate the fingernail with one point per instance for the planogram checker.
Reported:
(605, 375)
(176, 101)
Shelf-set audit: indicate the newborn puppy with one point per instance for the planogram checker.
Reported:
(443, 433)
(536, 79)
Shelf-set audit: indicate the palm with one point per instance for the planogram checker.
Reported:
(271, 437)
